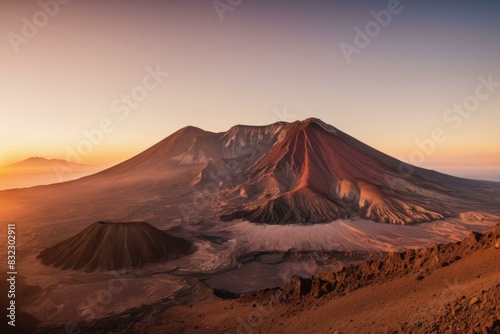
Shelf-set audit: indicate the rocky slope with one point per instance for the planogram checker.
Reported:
(454, 310)
(449, 288)
(479, 314)
(396, 265)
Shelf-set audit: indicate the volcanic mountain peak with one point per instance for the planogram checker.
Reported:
(252, 130)
(317, 173)
(311, 125)
(284, 173)
(192, 145)
(114, 245)
(316, 121)
(179, 142)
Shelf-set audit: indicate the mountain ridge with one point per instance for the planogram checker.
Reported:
(303, 172)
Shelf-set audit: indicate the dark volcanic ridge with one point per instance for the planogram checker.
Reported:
(111, 246)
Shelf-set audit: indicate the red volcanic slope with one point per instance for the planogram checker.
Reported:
(317, 173)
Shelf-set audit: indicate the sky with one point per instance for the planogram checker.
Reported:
(97, 82)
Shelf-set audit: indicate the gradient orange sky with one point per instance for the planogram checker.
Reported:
(262, 58)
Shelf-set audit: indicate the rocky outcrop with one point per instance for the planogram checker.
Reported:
(418, 262)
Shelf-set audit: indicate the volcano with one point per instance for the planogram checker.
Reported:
(317, 173)
(304, 172)
(111, 246)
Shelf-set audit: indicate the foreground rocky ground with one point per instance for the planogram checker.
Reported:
(448, 288)
(479, 314)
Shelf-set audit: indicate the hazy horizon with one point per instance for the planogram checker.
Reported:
(255, 64)
(10, 177)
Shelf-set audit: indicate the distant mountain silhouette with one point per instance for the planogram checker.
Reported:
(38, 171)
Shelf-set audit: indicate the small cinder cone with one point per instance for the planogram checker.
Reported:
(110, 246)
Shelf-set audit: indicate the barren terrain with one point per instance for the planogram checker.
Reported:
(259, 205)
